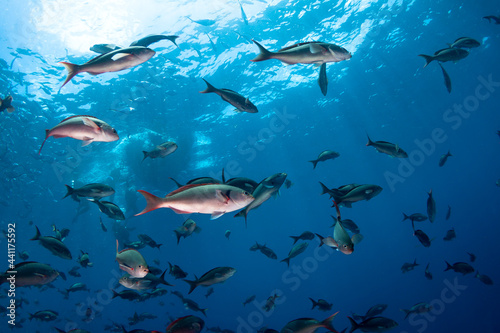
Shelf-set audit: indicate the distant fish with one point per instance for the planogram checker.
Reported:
(44, 315)
(130, 295)
(444, 158)
(243, 15)
(186, 229)
(104, 48)
(295, 251)
(417, 309)
(409, 266)
(305, 53)
(447, 79)
(346, 195)
(448, 213)
(24, 255)
(216, 275)
(373, 324)
(496, 19)
(204, 22)
(93, 190)
(110, 209)
(484, 278)
(54, 245)
(450, 234)
(431, 207)
(192, 305)
(306, 235)
(149, 281)
(176, 271)
(472, 257)
(5, 104)
(459, 267)
(250, 299)
(388, 148)
(270, 303)
(264, 250)
(85, 128)
(84, 260)
(323, 80)
(324, 156)
(113, 61)
(227, 233)
(241, 103)
(465, 42)
(150, 39)
(321, 304)
(161, 150)
(210, 291)
(415, 217)
(444, 55)
(308, 325)
(149, 241)
(428, 273)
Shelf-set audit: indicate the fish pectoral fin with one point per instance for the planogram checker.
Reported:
(90, 123)
(216, 215)
(40, 275)
(316, 48)
(126, 266)
(178, 211)
(222, 196)
(237, 110)
(86, 141)
(118, 56)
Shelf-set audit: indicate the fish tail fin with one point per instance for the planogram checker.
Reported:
(60, 330)
(287, 260)
(210, 88)
(325, 189)
(314, 303)
(337, 196)
(158, 246)
(72, 71)
(314, 162)
(328, 323)
(178, 234)
(162, 278)
(243, 213)
(449, 153)
(295, 239)
(38, 235)
(354, 325)
(153, 202)
(115, 294)
(172, 38)
(370, 142)
(448, 266)
(320, 239)
(407, 312)
(47, 132)
(176, 182)
(428, 59)
(192, 284)
(204, 311)
(405, 217)
(263, 55)
(146, 154)
(70, 191)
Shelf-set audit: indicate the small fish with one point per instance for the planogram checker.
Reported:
(417, 308)
(269, 305)
(176, 271)
(150, 39)
(323, 80)
(204, 22)
(496, 19)
(450, 234)
(295, 251)
(306, 235)
(484, 278)
(249, 300)
(85, 128)
(227, 233)
(460, 267)
(268, 252)
(415, 217)
(160, 151)
(465, 42)
(243, 15)
(448, 213)
(444, 55)
(309, 325)
(305, 53)
(5, 104)
(421, 236)
(210, 291)
(472, 257)
(324, 156)
(104, 48)
(113, 61)
(213, 276)
(74, 271)
(54, 245)
(447, 83)
(444, 158)
(192, 305)
(427, 273)
(346, 195)
(84, 260)
(186, 229)
(94, 190)
(373, 324)
(408, 266)
(375, 310)
(187, 324)
(321, 304)
(24, 255)
(241, 103)
(431, 207)
(149, 241)
(109, 208)
(44, 315)
(78, 286)
(130, 295)
(132, 262)
(388, 148)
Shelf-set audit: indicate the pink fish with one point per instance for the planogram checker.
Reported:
(85, 128)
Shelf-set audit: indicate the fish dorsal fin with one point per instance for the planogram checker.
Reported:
(86, 116)
(295, 45)
(25, 263)
(225, 89)
(186, 187)
(128, 250)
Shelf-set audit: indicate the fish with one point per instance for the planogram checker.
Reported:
(357, 193)
(459, 267)
(130, 295)
(135, 245)
(186, 324)
(431, 207)
(104, 48)
(150, 39)
(84, 128)
(30, 273)
(427, 273)
(227, 233)
(472, 257)
(103, 227)
(308, 325)
(306, 235)
(267, 251)
(186, 229)
(444, 158)
(347, 224)
(408, 266)
(113, 61)
(268, 187)
(324, 156)
(249, 300)
(204, 22)
(415, 217)
(132, 262)
(270, 303)
(496, 19)
(44, 315)
(6, 104)
(341, 240)
(210, 291)
(149, 241)
(323, 80)
(484, 278)
(93, 190)
(241, 103)
(448, 213)
(373, 324)
(160, 151)
(417, 308)
(321, 304)
(84, 260)
(465, 42)
(78, 286)
(388, 148)
(447, 80)
(444, 55)
(54, 245)
(176, 271)
(23, 255)
(213, 199)
(243, 15)
(192, 305)
(60, 234)
(421, 236)
(74, 271)
(149, 281)
(450, 234)
(109, 208)
(213, 276)
(295, 251)
(245, 184)
(305, 53)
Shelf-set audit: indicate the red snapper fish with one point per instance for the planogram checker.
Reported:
(114, 61)
(85, 128)
(213, 199)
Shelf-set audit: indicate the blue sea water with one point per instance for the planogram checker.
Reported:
(383, 91)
